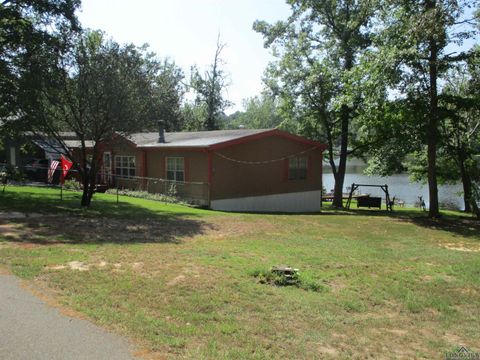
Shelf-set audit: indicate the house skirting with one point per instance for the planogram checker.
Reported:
(307, 201)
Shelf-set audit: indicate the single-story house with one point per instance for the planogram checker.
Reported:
(266, 170)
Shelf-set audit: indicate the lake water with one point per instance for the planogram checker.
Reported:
(398, 186)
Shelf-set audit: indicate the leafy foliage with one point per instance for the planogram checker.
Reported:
(169, 197)
(209, 89)
(261, 112)
(318, 74)
(298, 279)
(413, 46)
(97, 89)
(28, 28)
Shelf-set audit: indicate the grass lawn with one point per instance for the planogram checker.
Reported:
(179, 281)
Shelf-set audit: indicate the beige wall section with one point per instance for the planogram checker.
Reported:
(235, 180)
(196, 163)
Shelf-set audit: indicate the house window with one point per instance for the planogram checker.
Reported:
(124, 165)
(175, 168)
(297, 168)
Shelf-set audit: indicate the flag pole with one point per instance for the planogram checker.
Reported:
(61, 190)
(116, 184)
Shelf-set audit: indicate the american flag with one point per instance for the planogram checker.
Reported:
(51, 170)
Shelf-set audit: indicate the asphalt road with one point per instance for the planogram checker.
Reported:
(31, 330)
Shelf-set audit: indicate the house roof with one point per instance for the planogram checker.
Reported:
(78, 143)
(193, 139)
(53, 146)
(215, 139)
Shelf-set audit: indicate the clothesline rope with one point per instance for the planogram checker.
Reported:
(265, 161)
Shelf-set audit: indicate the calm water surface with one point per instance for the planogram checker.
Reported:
(398, 186)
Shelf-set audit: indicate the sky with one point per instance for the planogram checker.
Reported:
(186, 31)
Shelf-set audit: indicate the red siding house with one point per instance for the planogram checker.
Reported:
(234, 170)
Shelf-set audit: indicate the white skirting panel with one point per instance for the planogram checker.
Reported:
(307, 201)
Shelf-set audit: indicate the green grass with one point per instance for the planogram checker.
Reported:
(47, 200)
(181, 280)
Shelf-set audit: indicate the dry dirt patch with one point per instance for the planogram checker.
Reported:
(461, 246)
(11, 230)
(225, 227)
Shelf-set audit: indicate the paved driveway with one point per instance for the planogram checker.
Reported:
(31, 330)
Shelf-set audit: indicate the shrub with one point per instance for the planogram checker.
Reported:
(72, 185)
(449, 205)
(167, 198)
(300, 280)
(11, 173)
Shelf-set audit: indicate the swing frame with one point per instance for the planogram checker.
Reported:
(388, 202)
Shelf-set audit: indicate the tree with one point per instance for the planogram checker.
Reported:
(193, 116)
(319, 47)
(416, 40)
(96, 90)
(460, 125)
(209, 89)
(168, 92)
(27, 27)
(261, 112)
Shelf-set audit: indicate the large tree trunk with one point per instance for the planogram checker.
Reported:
(432, 129)
(466, 182)
(342, 165)
(88, 188)
(345, 122)
(475, 208)
(89, 178)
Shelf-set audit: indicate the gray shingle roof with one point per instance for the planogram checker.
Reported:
(175, 139)
(192, 139)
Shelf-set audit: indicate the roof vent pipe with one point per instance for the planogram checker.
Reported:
(161, 131)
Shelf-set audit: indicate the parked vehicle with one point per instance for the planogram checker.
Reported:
(37, 170)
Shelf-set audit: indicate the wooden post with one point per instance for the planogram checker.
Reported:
(4, 180)
(321, 193)
(349, 201)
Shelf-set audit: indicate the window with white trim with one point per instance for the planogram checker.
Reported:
(175, 168)
(124, 165)
(297, 168)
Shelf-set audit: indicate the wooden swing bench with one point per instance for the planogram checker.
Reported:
(370, 201)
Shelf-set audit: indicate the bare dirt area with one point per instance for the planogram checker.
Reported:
(229, 226)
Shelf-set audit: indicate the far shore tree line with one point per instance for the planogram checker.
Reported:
(395, 82)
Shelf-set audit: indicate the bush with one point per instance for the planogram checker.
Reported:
(449, 205)
(167, 198)
(72, 185)
(300, 280)
(11, 173)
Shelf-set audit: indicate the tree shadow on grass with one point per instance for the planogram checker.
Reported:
(458, 224)
(46, 220)
(49, 203)
(465, 226)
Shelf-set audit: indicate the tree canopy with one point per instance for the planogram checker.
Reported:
(210, 88)
(28, 27)
(99, 89)
(319, 49)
